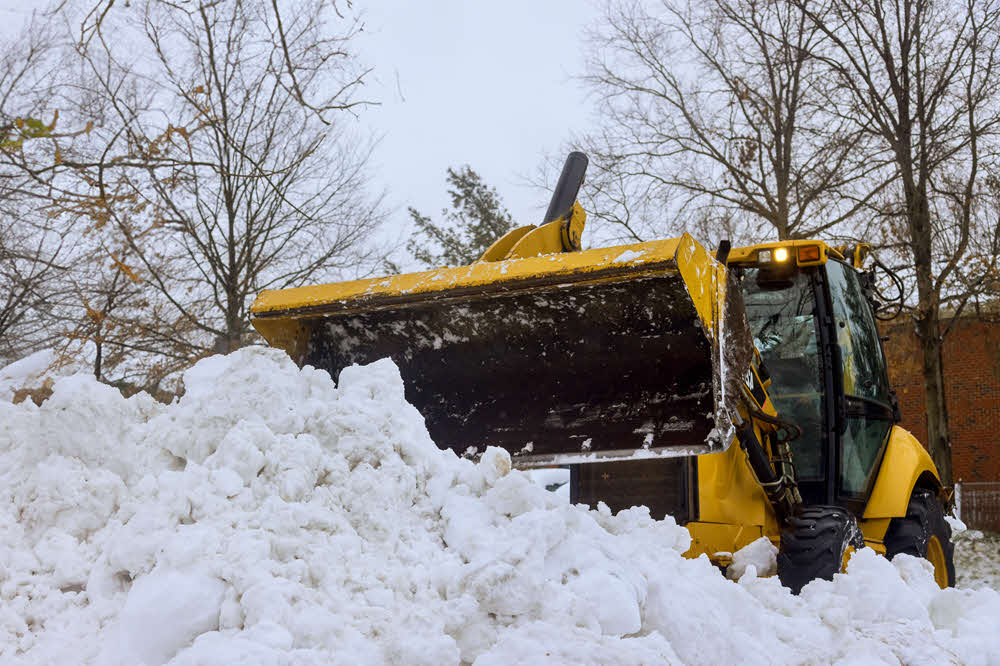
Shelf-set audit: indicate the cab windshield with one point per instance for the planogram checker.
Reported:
(783, 322)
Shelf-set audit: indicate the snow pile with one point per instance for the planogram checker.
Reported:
(271, 517)
(30, 372)
(33, 375)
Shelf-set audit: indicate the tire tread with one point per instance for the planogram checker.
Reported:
(813, 545)
(910, 534)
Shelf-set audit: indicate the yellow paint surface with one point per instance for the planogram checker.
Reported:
(904, 461)
(490, 276)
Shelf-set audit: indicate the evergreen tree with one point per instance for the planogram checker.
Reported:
(476, 219)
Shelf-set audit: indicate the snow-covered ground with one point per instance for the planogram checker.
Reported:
(272, 517)
(977, 559)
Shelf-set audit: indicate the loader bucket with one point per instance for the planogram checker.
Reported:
(628, 352)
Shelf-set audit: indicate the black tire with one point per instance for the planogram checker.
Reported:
(914, 533)
(813, 545)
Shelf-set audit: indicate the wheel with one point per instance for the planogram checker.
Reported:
(815, 544)
(924, 532)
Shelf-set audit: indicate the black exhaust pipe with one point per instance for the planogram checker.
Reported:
(568, 187)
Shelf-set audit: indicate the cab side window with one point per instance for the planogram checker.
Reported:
(863, 366)
(864, 380)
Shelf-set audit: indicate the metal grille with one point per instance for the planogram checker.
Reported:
(978, 504)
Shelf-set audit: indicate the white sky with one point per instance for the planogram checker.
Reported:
(489, 84)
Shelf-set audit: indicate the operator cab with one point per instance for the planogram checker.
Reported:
(816, 332)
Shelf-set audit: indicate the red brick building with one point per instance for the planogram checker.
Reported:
(972, 379)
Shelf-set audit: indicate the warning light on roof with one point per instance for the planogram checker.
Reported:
(809, 253)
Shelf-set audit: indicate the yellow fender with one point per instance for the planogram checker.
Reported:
(905, 461)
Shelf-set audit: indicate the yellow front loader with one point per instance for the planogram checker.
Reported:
(743, 392)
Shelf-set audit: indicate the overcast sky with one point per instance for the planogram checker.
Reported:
(489, 84)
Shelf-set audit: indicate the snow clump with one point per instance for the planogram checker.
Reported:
(271, 516)
(758, 558)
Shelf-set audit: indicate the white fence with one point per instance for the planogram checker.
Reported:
(977, 503)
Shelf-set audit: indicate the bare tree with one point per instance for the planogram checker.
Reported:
(34, 252)
(223, 164)
(975, 282)
(29, 256)
(921, 79)
(721, 107)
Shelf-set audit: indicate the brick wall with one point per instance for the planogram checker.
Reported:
(972, 375)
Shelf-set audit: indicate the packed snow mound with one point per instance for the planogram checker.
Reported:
(29, 372)
(270, 516)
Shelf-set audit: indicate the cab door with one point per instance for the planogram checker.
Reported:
(864, 410)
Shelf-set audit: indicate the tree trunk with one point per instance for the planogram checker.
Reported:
(98, 358)
(232, 338)
(781, 226)
(938, 431)
(929, 334)
(234, 322)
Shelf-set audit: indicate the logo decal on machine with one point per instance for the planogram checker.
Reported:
(756, 387)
